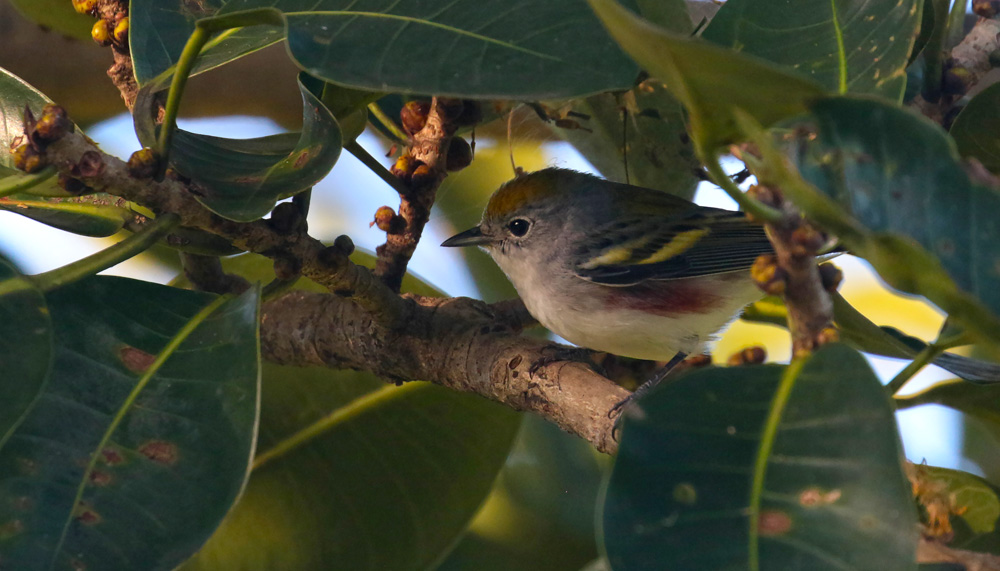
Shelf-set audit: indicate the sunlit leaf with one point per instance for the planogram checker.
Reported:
(853, 46)
(762, 467)
(141, 440)
(467, 48)
(97, 215)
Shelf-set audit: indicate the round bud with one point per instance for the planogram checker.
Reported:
(472, 113)
(384, 218)
(285, 218)
(53, 124)
(344, 244)
(808, 239)
(404, 167)
(768, 275)
(755, 355)
(72, 186)
(422, 177)
(831, 276)
(121, 31)
(85, 6)
(143, 164)
(90, 164)
(413, 115)
(459, 154)
(450, 109)
(102, 32)
(286, 268)
(28, 159)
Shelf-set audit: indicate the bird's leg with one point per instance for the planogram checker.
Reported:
(652, 382)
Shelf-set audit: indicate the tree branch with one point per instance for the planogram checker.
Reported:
(328, 266)
(421, 169)
(458, 343)
(968, 63)
(455, 342)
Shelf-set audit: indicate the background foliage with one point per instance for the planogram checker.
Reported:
(132, 415)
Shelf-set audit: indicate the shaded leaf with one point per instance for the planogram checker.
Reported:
(898, 174)
(107, 472)
(710, 81)
(96, 215)
(976, 127)
(25, 348)
(852, 46)
(659, 153)
(242, 179)
(762, 467)
(353, 473)
(462, 48)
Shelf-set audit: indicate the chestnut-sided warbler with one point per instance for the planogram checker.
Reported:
(618, 268)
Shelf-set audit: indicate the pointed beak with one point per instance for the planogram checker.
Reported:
(471, 237)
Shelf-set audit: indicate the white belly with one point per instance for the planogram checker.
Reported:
(582, 316)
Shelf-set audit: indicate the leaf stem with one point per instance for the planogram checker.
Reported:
(185, 65)
(375, 109)
(372, 163)
(754, 208)
(767, 439)
(932, 351)
(127, 248)
(202, 33)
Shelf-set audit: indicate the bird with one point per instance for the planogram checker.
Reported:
(618, 268)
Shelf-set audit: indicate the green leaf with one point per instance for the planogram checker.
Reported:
(975, 129)
(540, 515)
(762, 467)
(898, 174)
(973, 497)
(659, 153)
(462, 48)
(852, 46)
(142, 439)
(242, 179)
(353, 473)
(978, 401)
(96, 215)
(58, 16)
(710, 81)
(357, 474)
(25, 348)
(861, 333)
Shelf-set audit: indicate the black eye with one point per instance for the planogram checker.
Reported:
(518, 227)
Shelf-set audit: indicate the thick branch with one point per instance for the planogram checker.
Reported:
(454, 342)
